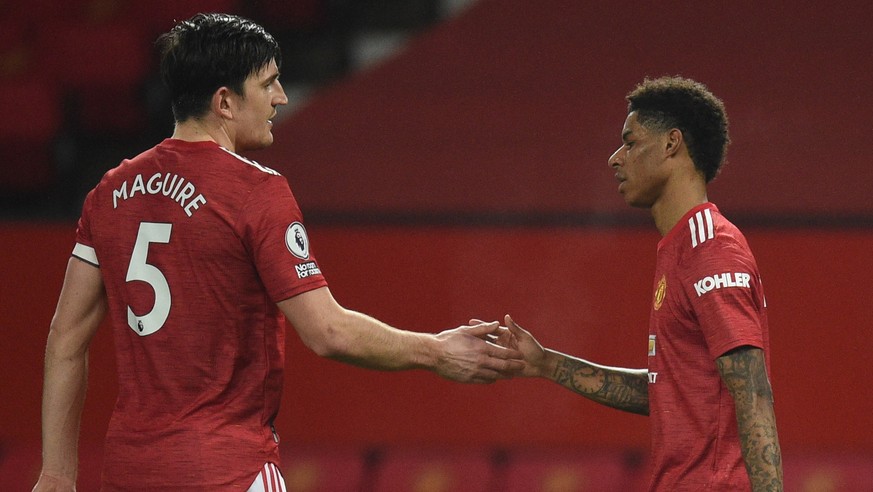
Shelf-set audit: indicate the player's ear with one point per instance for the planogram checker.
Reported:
(222, 102)
(673, 142)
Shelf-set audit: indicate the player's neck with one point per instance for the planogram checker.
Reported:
(197, 130)
(675, 202)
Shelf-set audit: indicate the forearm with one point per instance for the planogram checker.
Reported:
(335, 332)
(743, 372)
(459, 354)
(361, 340)
(80, 310)
(620, 388)
(64, 389)
(760, 445)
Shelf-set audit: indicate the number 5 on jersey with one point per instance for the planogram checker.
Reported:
(139, 269)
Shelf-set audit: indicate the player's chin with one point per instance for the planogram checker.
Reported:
(267, 138)
(637, 201)
(629, 198)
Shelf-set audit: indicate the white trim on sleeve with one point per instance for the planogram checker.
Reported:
(86, 254)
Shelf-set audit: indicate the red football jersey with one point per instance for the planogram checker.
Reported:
(195, 245)
(708, 299)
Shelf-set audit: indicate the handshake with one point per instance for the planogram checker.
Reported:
(483, 352)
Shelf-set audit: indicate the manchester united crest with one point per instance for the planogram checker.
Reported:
(660, 292)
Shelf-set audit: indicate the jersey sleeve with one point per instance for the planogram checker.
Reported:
(273, 231)
(724, 290)
(84, 247)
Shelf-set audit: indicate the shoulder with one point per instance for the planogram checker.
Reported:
(706, 228)
(713, 255)
(705, 236)
(248, 164)
(251, 178)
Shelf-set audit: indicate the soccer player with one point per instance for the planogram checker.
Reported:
(706, 389)
(198, 253)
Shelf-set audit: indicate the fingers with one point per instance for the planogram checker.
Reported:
(509, 322)
(500, 335)
(486, 370)
(512, 367)
(497, 372)
(499, 363)
(498, 358)
(490, 336)
(479, 324)
(504, 353)
(482, 380)
(480, 329)
(507, 363)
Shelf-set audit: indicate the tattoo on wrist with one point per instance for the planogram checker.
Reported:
(614, 388)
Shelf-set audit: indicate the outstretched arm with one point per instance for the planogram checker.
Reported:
(80, 310)
(620, 388)
(744, 373)
(460, 354)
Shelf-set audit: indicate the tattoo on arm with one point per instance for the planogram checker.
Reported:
(624, 389)
(743, 371)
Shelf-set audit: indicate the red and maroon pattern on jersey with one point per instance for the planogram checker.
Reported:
(708, 299)
(195, 245)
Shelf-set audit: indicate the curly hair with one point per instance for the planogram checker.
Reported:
(675, 102)
(209, 51)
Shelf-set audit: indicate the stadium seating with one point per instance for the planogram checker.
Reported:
(26, 140)
(427, 469)
(100, 69)
(311, 468)
(157, 16)
(828, 472)
(575, 470)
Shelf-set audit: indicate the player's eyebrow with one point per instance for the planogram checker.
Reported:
(626, 134)
(269, 80)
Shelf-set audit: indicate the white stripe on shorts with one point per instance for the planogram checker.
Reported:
(268, 480)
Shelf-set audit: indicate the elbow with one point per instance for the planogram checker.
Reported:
(327, 342)
(62, 345)
(322, 349)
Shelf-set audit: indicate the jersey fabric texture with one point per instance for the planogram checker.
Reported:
(708, 300)
(195, 245)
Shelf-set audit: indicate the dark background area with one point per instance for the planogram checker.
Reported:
(465, 175)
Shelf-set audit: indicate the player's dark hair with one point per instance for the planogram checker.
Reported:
(209, 51)
(675, 102)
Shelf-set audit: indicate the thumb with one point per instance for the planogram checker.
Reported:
(513, 327)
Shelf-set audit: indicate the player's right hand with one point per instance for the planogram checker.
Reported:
(467, 358)
(533, 353)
